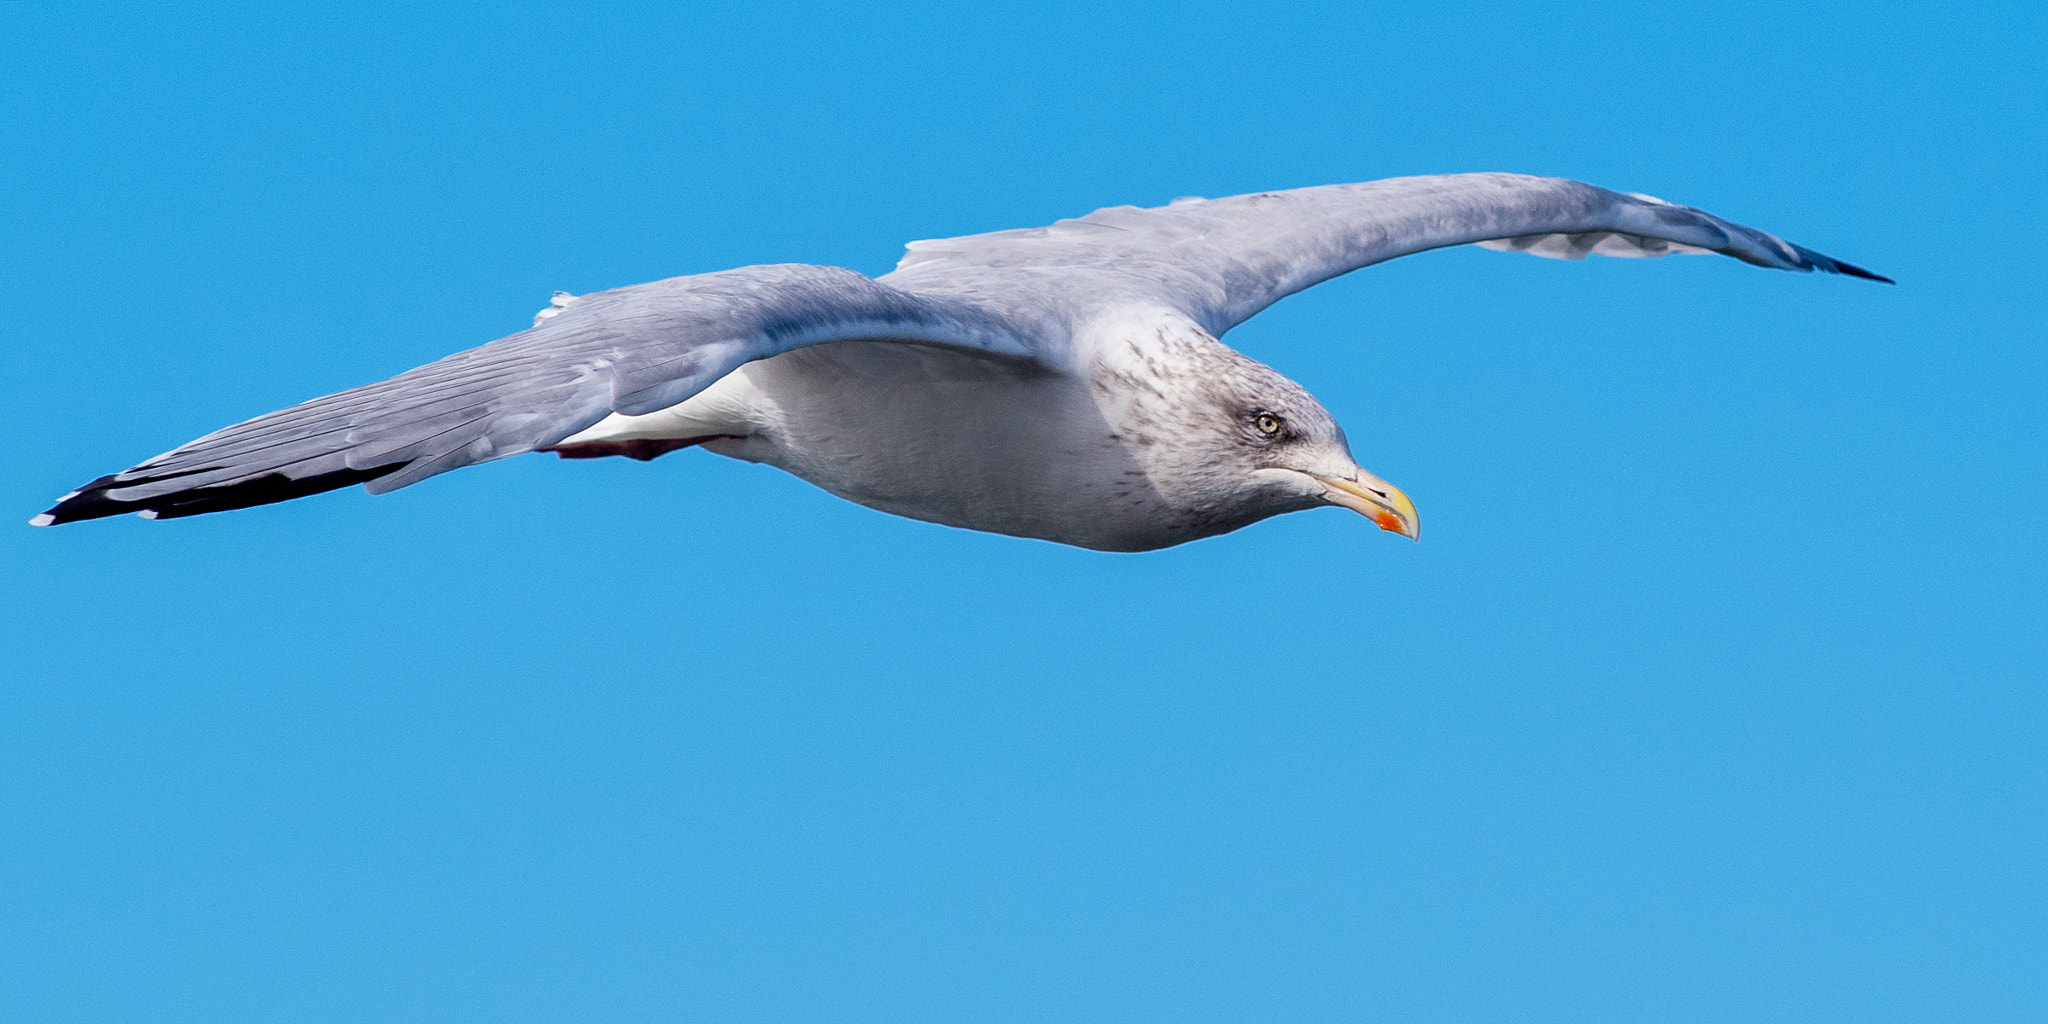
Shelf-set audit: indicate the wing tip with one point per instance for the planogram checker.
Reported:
(1853, 270)
(1828, 264)
(88, 502)
(94, 502)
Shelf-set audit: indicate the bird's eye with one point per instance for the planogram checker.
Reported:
(1267, 423)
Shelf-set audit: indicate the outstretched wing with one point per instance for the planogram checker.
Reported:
(630, 350)
(1222, 260)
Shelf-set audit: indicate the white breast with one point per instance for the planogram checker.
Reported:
(931, 433)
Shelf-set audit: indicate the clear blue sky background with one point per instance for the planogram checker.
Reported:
(1715, 690)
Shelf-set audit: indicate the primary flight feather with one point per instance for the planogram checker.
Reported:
(1063, 382)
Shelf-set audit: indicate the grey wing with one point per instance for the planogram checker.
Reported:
(1222, 260)
(630, 350)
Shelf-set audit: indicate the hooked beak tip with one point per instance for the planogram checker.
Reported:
(1378, 500)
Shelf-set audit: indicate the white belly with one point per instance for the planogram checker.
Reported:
(934, 434)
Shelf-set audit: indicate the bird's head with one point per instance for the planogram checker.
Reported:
(1232, 441)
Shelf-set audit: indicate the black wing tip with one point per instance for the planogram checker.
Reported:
(1828, 264)
(87, 502)
(93, 501)
(1852, 270)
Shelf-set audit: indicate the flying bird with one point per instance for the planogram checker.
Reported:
(1062, 382)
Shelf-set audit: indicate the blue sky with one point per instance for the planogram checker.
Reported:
(1713, 692)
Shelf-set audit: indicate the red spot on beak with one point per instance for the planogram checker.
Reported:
(1390, 522)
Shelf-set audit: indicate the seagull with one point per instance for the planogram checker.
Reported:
(1064, 382)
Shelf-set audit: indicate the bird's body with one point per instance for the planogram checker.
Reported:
(979, 441)
(1064, 383)
(920, 431)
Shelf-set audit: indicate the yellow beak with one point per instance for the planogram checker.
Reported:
(1377, 500)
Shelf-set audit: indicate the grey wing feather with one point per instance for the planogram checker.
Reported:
(1222, 260)
(630, 350)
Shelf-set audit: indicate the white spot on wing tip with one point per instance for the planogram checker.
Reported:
(148, 513)
(43, 520)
